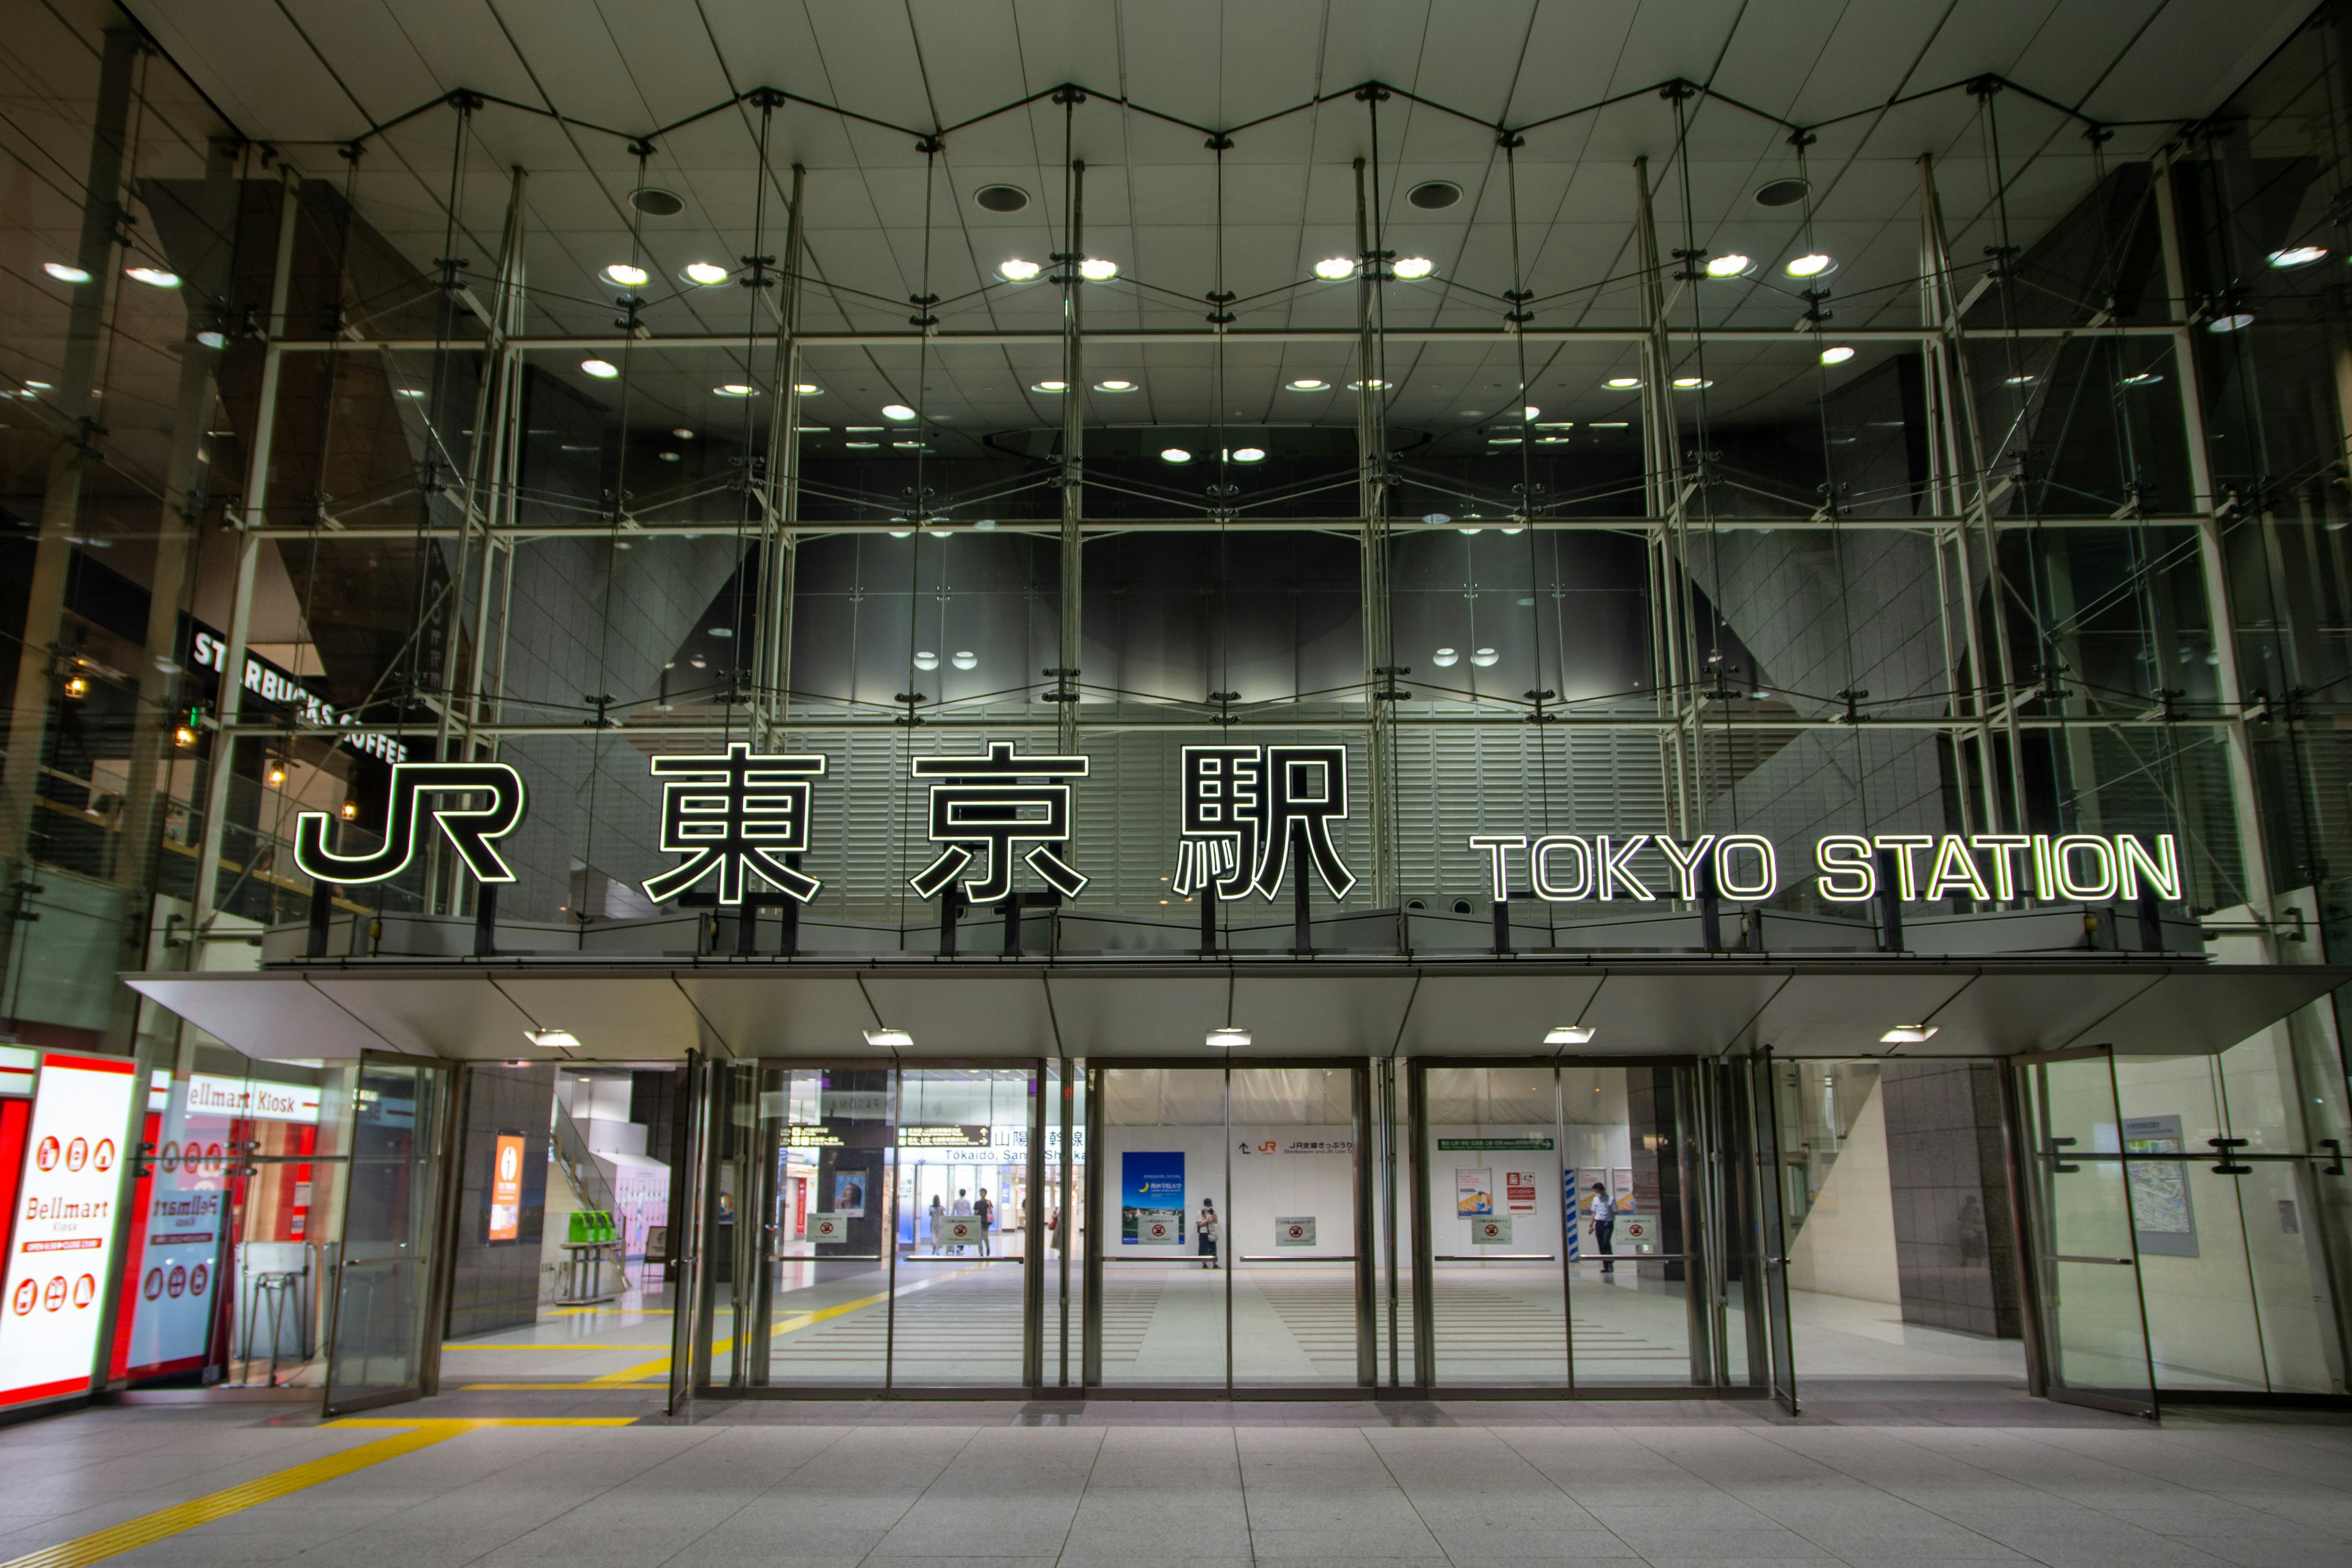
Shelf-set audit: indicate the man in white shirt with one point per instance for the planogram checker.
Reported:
(1605, 1228)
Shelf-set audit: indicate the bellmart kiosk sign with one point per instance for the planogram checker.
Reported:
(1252, 817)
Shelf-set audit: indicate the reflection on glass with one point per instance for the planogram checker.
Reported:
(383, 1276)
(1163, 1290)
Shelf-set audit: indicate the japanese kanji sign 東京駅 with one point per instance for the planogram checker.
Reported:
(734, 814)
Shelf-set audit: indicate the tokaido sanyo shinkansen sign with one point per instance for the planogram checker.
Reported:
(1252, 817)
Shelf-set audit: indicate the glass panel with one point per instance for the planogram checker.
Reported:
(962, 1187)
(1493, 1162)
(1293, 1237)
(831, 1284)
(1766, 1167)
(1629, 1278)
(2201, 1328)
(1163, 1296)
(383, 1279)
(2095, 1338)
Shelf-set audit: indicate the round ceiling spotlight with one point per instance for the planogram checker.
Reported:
(1309, 384)
(1413, 267)
(2232, 321)
(1094, 269)
(1623, 382)
(1014, 271)
(704, 274)
(626, 276)
(1732, 265)
(2298, 256)
(1332, 270)
(153, 277)
(602, 369)
(964, 659)
(1445, 658)
(1432, 196)
(1813, 264)
(1174, 455)
(1049, 386)
(654, 202)
(897, 411)
(65, 272)
(1249, 454)
(1837, 353)
(1780, 192)
(807, 388)
(1000, 198)
(1115, 386)
(1486, 659)
(737, 389)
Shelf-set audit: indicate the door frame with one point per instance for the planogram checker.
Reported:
(1361, 1234)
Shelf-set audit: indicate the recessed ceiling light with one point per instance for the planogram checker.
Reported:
(1015, 270)
(1623, 382)
(1413, 267)
(2236, 321)
(602, 370)
(1550, 441)
(1486, 657)
(897, 411)
(1249, 454)
(1114, 386)
(965, 660)
(1230, 1037)
(707, 273)
(1335, 267)
(409, 391)
(2298, 256)
(1609, 425)
(626, 275)
(1000, 198)
(1732, 265)
(1174, 455)
(1094, 269)
(889, 1038)
(1780, 192)
(735, 389)
(1431, 195)
(1556, 424)
(671, 458)
(153, 277)
(1813, 264)
(1309, 384)
(864, 429)
(1837, 353)
(1909, 1035)
(213, 340)
(1571, 1034)
(1530, 413)
(1445, 658)
(554, 1039)
(2142, 378)
(865, 444)
(654, 202)
(1375, 384)
(66, 273)
(1049, 386)
(1692, 383)
(683, 433)
(2017, 381)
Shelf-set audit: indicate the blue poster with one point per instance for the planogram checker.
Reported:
(1152, 1198)
(1568, 1207)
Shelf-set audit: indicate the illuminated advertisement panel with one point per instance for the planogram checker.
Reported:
(180, 1255)
(506, 1188)
(62, 1247)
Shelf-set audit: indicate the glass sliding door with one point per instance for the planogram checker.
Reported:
(830, 1262)
(1163, 1165)
(1231, 1252)
(1562, 1246)
(2080, 1201)
(386, 1326)
(961, 1229)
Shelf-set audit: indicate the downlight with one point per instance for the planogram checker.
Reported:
(1813, 264)
(1780, 192)
(889, 1039)
(1334, 268)
(1049, 387)
(1412, 267)
(897, 411)
(1432, 196)
(153, 277)
(553, 1039)
(2298, 256)
(1249, 454)
(1094, 269)
(1012, 269)
(1837, 353)
(1230, 1037)
(626, 275)
(602, 369)
(1309, 384)
(1729, 266)
(654, 202)
(704, 274)
(66, 273)
(1174, 455)
(1623, 382)
(1000, 198)
(1571, 1034)
(1115, 386)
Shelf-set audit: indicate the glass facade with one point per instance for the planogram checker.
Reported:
(1534, 490)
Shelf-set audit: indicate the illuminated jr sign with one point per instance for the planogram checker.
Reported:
(1990, 868)
(488, 806)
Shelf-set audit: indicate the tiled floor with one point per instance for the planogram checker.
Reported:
(1902, 1474)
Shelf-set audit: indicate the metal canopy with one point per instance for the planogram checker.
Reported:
(1324, 1008)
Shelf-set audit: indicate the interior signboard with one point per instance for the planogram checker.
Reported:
(1152, 1198)
(66, 1224)
(506, 1188)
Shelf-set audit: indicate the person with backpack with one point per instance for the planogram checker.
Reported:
(985, 1212)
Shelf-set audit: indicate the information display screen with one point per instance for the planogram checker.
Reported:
(65, 1225)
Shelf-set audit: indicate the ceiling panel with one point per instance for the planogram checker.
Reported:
(1842, 1012)
(463, 1016)
(272, 1017)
